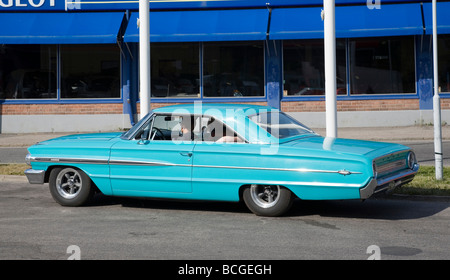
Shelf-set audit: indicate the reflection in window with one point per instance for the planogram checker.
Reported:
(90, 71)
(175, 70)
(304, 67)
(233, 69)
(279, 124)
(27, 71)
(444, 62)
(382, 65)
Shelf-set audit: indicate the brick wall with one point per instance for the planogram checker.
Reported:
(357, 105)
(60, 109)
(287, 106)
(445, 103)
(77, 109)
(159, 105)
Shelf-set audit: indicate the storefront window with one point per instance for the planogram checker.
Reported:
(233, 69)
(304, 67)
(27, 71)
(444, 62)
(90, 71)
(175, 70)
(382, 65)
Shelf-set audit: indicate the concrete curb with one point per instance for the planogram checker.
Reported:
(13, 178)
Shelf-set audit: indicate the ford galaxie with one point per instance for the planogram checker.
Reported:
(220, 152)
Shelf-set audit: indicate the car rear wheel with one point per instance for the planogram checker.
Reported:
(268, 200)
(70, 186)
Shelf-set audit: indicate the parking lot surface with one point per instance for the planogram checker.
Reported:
(33, 226)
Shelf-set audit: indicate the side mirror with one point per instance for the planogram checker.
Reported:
(143, 142)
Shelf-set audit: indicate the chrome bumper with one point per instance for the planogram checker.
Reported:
(388, 183)
(35, 176)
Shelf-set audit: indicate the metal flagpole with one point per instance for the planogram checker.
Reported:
(330, 67)
(436, 103)
(144, 56)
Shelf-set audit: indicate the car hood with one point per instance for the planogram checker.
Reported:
(345, 146)
(90, 137)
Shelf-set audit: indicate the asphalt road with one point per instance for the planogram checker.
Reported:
(424, 151)
(33, 226)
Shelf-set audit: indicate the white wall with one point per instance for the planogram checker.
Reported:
(116, 122)
(63, 123)
(372, 118)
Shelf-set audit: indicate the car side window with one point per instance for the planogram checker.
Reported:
(172, 127)
(216, 131)
(167, 128)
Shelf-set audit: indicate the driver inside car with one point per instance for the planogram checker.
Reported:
(185, 133)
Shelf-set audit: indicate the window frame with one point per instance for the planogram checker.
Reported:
(212, 99)
(38, 100)
(59, 100)
(140, 127)
(348, 96)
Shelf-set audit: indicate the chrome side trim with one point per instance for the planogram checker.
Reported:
(145, 163)
(120, 162)
(69, 160)
(150, 163)
(278, 169)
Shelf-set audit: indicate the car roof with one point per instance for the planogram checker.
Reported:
(233, 115)
(214, 109)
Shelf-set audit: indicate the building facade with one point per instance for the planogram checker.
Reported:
(69, 66)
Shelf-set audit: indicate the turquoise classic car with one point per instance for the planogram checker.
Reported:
(220, 152)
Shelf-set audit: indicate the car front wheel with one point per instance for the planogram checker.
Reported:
(70, 186)
(268, 200)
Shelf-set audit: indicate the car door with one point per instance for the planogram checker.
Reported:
(222, 158)
(156, 159)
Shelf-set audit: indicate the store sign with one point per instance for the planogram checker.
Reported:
(99, 5)
(26, 3)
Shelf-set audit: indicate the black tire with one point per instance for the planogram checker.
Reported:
(70, 186)
(268, 200)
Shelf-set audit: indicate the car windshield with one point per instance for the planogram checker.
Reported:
(128, 134)
(279, 124)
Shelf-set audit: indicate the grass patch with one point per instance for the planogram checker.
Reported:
(424, 183)
(13, 169)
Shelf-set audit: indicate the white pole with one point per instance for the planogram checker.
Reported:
(330, 67)
(436, 103)
(144, 56)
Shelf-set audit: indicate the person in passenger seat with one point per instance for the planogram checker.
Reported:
(185, 133)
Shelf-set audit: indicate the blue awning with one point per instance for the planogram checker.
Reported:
(198, 26)
(442, 17)
(296, 23)
(60, 28)
(351, 21)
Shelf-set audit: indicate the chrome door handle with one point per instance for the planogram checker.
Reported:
(186, 154)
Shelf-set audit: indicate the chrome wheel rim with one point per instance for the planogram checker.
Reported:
(69, 183)
(265, 196)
